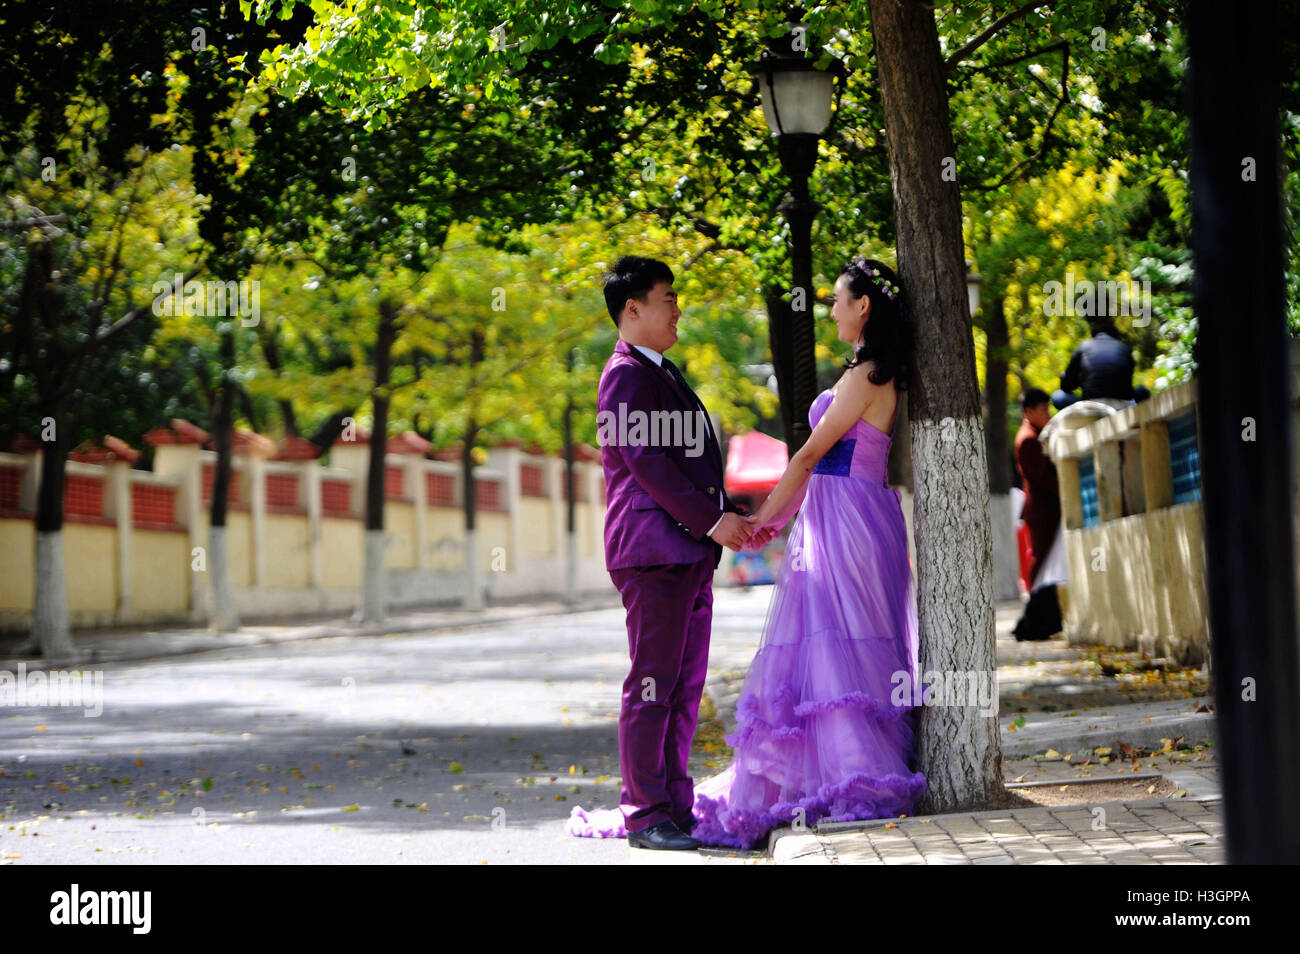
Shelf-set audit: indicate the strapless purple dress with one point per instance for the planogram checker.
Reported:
(819, 736)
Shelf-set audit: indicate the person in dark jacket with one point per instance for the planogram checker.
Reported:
(1102, 366)
(1042, 515)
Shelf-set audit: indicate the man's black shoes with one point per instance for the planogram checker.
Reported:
(665, 836)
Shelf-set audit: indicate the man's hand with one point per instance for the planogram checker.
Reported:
(733, 531)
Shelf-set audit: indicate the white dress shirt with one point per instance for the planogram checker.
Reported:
(658, 359)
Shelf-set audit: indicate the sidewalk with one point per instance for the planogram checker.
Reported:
(1169, 832)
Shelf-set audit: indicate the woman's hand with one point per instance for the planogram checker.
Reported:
(761, 537)
(764, 530)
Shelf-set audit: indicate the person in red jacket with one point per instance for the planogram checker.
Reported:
(1042, 515)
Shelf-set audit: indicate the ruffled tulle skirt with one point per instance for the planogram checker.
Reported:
(825, 719)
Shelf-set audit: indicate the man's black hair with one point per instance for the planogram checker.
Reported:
(633, 277)
(1033, 397)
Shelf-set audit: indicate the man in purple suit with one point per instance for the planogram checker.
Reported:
(667, 518)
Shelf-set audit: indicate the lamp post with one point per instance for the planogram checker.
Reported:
(797, 101)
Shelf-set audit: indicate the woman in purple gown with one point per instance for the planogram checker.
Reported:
(825, 718)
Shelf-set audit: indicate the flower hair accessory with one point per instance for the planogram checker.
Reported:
(877, 278)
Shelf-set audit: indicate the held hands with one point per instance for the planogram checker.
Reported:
(760, 537)
(733, 531)
(764, 528)
(746, 532)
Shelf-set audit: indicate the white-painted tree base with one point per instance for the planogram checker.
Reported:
(374, 587)
(958, 748)
(50, 635)
(222, 614)
(473, 573)
(571, 570)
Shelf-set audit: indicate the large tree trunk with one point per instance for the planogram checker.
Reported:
(374, 585)
(957, 746)
(222, 613)
(1006, 555)
(50, 633)
(42, 307)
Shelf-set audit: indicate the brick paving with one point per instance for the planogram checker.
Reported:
(1174, 831)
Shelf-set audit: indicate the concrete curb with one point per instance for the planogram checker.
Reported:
(1141, 725)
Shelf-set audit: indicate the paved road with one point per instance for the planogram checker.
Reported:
(464, 746)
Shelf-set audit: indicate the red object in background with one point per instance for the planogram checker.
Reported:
(394, 483)
(1022, 539)
(531, 481)
(11, 481)
(487, 494)
(83, 496)
(335, 496)
(282, 493)
(755, 463)
(440, 489)
(153, 506)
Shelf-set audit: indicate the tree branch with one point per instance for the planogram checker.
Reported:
(991, 31)
(1064, 46)
(117, 327)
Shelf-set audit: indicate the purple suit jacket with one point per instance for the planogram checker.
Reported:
(660, 502)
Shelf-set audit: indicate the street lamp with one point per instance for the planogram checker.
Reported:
(797, 100)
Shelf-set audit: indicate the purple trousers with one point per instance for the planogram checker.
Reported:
(669, 615)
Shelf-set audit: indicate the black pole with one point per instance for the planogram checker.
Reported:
(798, 156)
(1246, 423)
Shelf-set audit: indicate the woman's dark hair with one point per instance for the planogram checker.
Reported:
(633, 277)
(887, 335)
